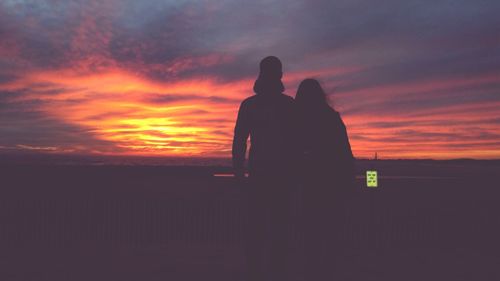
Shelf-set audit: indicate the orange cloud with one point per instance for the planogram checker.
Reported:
(114, 107)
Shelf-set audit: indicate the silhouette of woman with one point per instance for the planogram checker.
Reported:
(327, 170)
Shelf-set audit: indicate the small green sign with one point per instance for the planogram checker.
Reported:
(371, 179)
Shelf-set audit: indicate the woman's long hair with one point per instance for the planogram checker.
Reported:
(311, 95)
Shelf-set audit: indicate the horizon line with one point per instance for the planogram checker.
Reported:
(44, 153)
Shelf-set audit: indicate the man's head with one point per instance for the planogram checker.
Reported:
(270, 68)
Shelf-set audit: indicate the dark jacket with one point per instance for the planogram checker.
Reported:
(327, 154)
(269, 121)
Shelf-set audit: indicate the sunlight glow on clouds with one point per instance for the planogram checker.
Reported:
(136, 115)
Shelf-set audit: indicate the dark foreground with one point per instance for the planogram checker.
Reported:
(439, 222)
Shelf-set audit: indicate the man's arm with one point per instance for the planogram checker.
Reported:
(241, 133)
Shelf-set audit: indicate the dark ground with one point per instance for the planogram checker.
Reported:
(428, 220)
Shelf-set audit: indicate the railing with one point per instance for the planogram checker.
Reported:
(141, 215)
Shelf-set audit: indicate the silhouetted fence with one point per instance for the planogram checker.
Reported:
(395, 214)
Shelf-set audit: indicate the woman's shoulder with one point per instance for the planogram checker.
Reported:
(286, 99)
(332, 113)
(335, 117)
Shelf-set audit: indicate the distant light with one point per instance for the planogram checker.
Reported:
(371, 179)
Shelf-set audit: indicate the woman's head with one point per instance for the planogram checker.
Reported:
(310, 94)
(270, 73)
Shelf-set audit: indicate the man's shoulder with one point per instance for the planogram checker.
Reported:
(256, 100)
(287, 101)
(287, 98)
(248, 101)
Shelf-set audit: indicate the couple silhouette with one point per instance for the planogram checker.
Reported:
(296, 144)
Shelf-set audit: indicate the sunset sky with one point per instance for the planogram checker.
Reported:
(411, 79)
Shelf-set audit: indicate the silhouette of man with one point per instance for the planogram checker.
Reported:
(268, 118)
